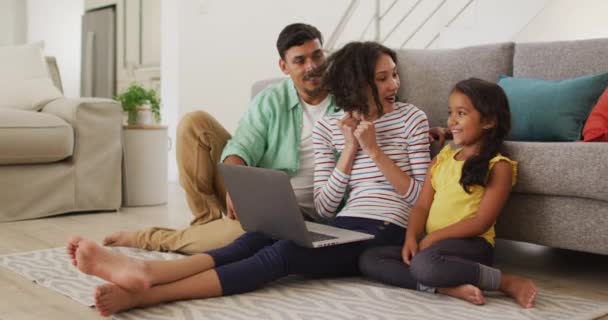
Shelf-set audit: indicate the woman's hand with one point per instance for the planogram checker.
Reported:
(410, 248)
(231, 213)
(348, 124)
(366, 136)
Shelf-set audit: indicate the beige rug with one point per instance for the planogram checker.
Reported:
(297, 298)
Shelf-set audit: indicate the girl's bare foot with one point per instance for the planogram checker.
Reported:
(466, 292)
(111, 299)
(128, 273)
(71, 248)
(120, 239)
(521, 289)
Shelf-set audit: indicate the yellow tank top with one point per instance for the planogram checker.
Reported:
(451, 203)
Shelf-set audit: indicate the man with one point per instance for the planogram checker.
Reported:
(275, 132)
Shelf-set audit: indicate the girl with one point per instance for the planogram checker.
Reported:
(383, 147)
(461, 198)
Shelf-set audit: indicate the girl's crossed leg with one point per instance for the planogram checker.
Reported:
(456, 267)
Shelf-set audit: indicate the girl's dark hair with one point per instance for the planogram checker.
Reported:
(491, 101)
(296, 34)
(348, 73)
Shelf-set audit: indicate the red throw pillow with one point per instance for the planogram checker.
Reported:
(596, 127)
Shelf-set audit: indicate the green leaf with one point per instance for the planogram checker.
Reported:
(135, 95)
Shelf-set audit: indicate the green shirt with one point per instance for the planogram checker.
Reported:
(268, 134)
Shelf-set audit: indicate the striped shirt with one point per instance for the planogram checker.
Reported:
(403, 135)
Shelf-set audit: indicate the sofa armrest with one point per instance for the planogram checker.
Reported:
(97, 156)
(76, 110)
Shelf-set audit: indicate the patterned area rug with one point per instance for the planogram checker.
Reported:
(298, 298)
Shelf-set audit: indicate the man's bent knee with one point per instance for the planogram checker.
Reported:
(192, 120)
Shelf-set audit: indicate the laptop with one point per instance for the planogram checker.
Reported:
(265, 202)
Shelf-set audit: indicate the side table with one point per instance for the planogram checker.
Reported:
(145, 165)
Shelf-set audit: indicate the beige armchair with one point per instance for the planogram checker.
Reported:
(64, 158)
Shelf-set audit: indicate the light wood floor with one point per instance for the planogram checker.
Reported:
(570, 272)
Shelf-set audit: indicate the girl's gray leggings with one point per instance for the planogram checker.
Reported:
(448, 263)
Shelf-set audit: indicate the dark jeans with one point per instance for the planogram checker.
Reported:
(254, 259)
(445, 264)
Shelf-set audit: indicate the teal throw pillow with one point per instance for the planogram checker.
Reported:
(551, 110)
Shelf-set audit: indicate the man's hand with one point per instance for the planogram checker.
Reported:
(410, 248)
(231, 213)
(439, 134)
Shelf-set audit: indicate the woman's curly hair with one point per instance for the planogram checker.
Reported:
(349, 73)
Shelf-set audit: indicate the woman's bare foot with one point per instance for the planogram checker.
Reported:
(120, 239)
(466, 292)
(71, 248)
(521, 289)
(111, 299)
(128, 273)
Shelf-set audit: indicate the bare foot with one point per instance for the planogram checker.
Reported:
(71, 248)
(116, 268)
(120, 239)
(466, 292)
(111, 299)
(521, 289)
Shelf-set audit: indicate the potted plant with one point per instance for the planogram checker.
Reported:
(137, 101)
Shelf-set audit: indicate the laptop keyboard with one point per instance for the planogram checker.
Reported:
(314, 236)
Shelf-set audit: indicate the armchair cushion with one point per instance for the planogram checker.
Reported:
(33, 137)
(25, 82)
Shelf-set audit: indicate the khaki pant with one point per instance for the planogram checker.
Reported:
(200, 141)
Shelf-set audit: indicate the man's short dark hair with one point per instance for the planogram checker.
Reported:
(295, 35)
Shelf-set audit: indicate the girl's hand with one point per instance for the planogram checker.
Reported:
(410, 248)
(366, 135)
(348, 124)
(428, 241)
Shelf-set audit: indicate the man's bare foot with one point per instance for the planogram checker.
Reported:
(521, 289)
(120, 239)
(111, 299)
(466, 292)
(72, 246)
(128, 273)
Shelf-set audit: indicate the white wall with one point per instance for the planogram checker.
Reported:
(568, 20)
(170, 71)
(57, 23)
(213, 50)
(12, 22)
(490, 21)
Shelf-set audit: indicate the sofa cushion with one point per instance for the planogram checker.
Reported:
(25, 82)
(560, 59)
(596, 126)
(33, 137)
(427, 76)
(575, 169)
(551, 110)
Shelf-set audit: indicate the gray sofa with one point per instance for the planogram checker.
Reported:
(64, 158)
(561, 198)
